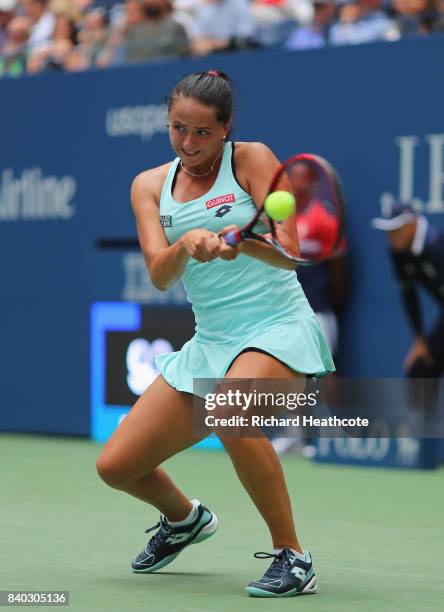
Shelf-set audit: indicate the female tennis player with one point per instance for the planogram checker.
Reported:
(252, 321)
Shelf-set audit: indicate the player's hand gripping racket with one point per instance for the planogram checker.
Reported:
(320, 210)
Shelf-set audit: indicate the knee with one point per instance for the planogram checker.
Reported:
(112, 473)
(122, 475)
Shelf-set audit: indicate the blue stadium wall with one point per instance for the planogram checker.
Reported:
(70, 146)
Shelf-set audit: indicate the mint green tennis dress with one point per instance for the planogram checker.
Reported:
(239, 304)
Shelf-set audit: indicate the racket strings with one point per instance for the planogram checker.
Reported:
(315, 231)
(313, 183)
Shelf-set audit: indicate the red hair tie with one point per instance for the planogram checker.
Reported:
(213, 73)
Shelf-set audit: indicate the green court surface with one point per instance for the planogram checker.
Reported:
(376, 536)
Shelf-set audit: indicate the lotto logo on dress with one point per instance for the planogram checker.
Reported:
(225, 199)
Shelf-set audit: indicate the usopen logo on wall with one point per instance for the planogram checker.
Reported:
(143, 121)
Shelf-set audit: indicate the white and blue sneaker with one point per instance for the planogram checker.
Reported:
(171, 539)
(287, 576)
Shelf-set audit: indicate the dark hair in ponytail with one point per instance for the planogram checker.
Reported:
(212, 88)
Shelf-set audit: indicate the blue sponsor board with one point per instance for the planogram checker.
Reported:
(106, 317)
(125, 338)
(411, 453)
(405, 423)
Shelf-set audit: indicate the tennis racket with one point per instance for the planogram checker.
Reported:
(319, 215)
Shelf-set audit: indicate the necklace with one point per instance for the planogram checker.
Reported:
(206, 173)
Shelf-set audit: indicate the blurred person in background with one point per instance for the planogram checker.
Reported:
(50, 59)
(93, 34)
(76, 60)
(362, 21)
(224, 25)
(417, 17)
(146, 32)
(275, 19)
(68, 8)
(314, 34)
(302, 10)
(51, 55)
(417, 253)
(81, 7)
(43, 22)
(185, 12)
(7, 8)
(65, 28)
(13, 57)
(438, 24)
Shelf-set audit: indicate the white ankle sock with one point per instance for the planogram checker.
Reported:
(298, 555)
(189, 518)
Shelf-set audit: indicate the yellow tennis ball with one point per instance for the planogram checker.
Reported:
(280, 205)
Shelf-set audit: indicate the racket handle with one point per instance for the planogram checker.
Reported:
(233, 238)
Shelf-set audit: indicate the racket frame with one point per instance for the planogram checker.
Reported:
(235, 237)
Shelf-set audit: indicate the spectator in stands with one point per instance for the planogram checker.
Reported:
(52, 55)
(316, 33)
(362, 21)
(6, 14)
(93, 35)
(50, 59)
(105, 32)
(438, 24)
(43, 22)
(301, 10)
(68, 8)
(272, 11)
(147, 32)
(276, 19)
(13, 59)
(417, 253)
(76, 60)
(416, 16)
(224, 25)
(185, 12)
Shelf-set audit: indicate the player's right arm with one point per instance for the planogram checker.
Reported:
(409, 294)
(419, 349)
(166, 263)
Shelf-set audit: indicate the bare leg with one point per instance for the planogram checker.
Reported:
(256, 462)
(158, 427)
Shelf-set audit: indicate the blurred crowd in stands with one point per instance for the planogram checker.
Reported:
(72, 35)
